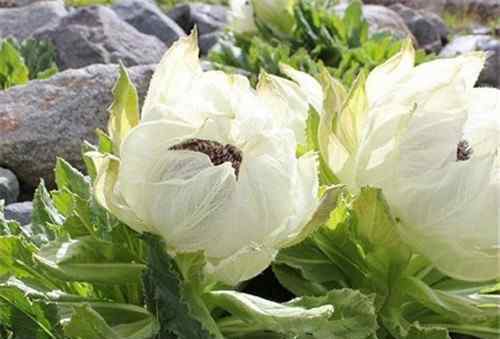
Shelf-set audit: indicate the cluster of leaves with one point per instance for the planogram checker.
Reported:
(21, 62)
(319, 37)
(359, 248)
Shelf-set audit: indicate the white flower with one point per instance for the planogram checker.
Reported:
(430, 140)
(210, 168)
(275, 14)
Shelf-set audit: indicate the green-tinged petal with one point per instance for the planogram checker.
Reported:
(349, 124)
(332, 150)
(104, 189)
(384, 77)
(174, 74)
(321, 214)
(241, 266)
(308, 84)
(242, 16)
(124, 111)
(276, 14)
(287, 101)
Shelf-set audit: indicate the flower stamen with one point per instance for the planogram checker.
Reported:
(464, 151)
(217, 152)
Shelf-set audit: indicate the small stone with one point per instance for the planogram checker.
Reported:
(96, 35)
(207, 18)
(147, 18)
(9, 186)
(20, 212)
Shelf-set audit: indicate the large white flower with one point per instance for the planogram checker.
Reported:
(430, 140)
(210, 168)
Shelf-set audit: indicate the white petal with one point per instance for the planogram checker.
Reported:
(174, 74)
(247, 263)
(308, 84)
(453, 218)
(482, 129)
(386, 76)
(287, 103)
(261, 200)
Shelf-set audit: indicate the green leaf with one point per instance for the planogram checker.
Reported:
(45, 214)
(13, 71)
(354, 316)
(91, 260)
(339, 314)
(166, 297)
(451, 307)
(124, 111)
(107, 320)
(26, 312)
(68, 177)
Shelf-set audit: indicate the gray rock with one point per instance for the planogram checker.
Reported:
(207, 18)
(434, 6)
(428, 28)
(208, 41)
(464, 44)
(20, 212)
(51, 118)
(22, 22)
(381, 20)
(147, 18)
(9, 186)
(483, 9)
(96, 35)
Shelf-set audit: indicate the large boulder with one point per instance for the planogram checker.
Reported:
(147, 18)
(207, 18)
(429, 29)
(22, 22)
(51, 118)
(468, 43)
(96, 35)
(9, 186)
(381, 20)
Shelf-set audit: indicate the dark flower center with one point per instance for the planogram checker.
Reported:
(464, 151)
(217, 152)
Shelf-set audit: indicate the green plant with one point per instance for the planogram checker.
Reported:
(83, 3)
(21, 62)
(39, 56)
(13, 71)
(319, 38)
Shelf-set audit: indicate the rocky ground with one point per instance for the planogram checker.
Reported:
(50, 118)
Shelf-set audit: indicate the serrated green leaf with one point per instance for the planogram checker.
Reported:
(166, 297)
(354, 317)
(90, 260)
(44, 213)
(68, 177)
(124, 111)
(313, 317)
(107, 320)
(32, 318)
